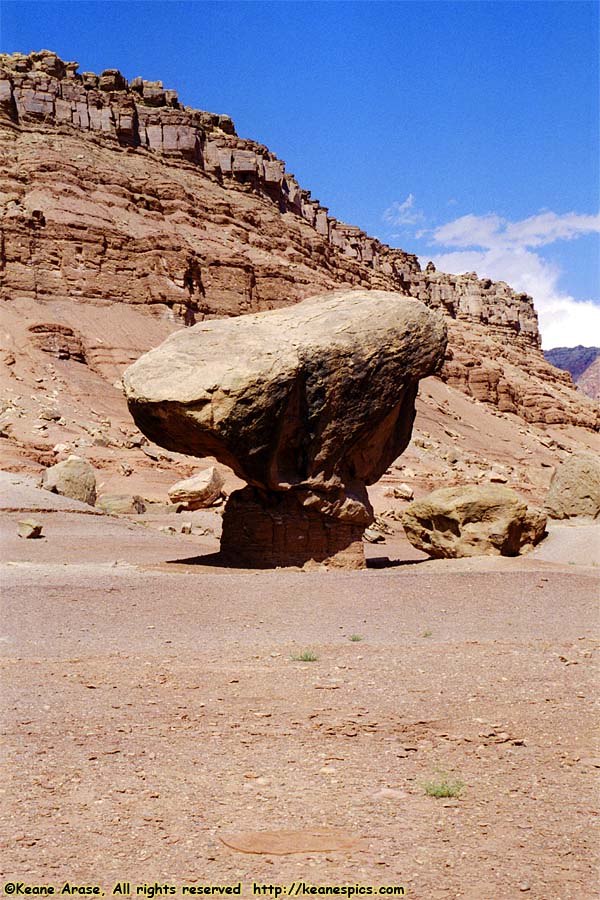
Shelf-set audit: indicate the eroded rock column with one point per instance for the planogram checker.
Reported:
(267, 529)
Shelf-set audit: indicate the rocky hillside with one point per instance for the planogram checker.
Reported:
(583, 364)
(126, 215)
(257, 244)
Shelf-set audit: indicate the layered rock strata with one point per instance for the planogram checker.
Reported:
(265, 529)
(41, 89)
(115, 193)
(308, 405)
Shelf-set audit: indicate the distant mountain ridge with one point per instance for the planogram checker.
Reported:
(582, 362)
(572, 359)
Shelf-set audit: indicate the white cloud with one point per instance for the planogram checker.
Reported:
(469, 231)
(491, 231)
(403, 213)
(503, 253)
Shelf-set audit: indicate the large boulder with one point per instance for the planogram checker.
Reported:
(575, 488)
(199, 491)
(73, 477)
(473, 520)
(316, 399)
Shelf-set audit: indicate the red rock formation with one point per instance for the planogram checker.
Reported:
(267, 529)
(117, 193)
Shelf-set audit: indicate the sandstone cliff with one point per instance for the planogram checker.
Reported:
(117, 194)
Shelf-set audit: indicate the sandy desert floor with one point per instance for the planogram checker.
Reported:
(153, 706)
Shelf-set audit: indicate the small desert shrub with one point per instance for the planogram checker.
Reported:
(443, 786)
(356, 637)
(305, 656)
(427, 633)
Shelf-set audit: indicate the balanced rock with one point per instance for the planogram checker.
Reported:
(308, 404)
(473, 520)
(201, 490)
(73, 477)
(575, 488)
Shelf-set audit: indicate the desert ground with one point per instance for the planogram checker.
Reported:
(154, 706)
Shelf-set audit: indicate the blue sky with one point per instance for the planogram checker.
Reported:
(466, 132)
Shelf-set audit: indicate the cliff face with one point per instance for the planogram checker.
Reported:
(115, 193)
(41, 89)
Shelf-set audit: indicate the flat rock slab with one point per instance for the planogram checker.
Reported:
(282, 843)
(575, 543)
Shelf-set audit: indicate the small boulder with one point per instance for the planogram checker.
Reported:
(74, 478)
(29, 528)
(201, 490)
(575, 488)
(373, 537)
(403, 492)
(60, 449)
(473, 520)
(49, 415)
(121, 504)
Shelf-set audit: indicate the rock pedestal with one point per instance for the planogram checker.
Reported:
(268, 529)
(308, 405)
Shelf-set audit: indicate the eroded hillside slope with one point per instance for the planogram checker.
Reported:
(126, 215)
